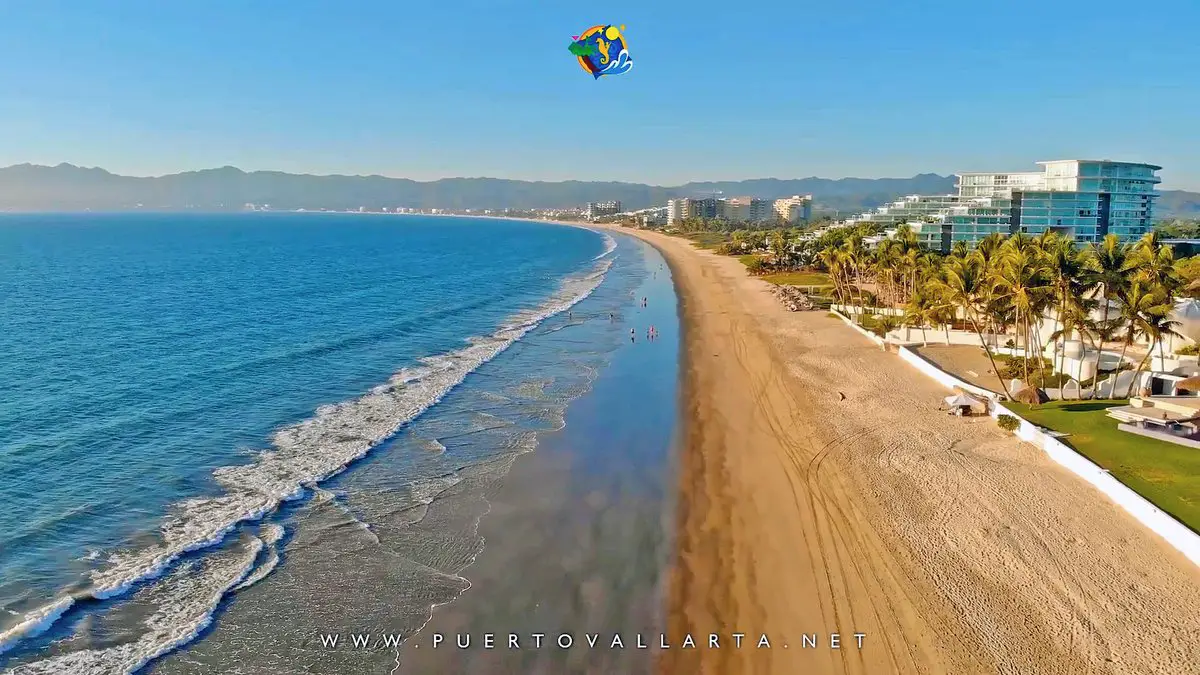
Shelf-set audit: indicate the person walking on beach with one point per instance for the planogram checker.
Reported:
(632, 335)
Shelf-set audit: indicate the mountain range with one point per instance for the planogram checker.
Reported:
(65, 187)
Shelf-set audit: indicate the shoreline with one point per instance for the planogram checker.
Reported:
(585, 518)
(953, 546)
(477, 351)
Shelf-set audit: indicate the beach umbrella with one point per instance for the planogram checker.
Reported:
(1187, 313)
(1031, 395)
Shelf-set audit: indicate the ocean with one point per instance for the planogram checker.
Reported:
(249, 430)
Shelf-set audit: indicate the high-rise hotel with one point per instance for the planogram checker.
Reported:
(1082, 199)
(741, 209)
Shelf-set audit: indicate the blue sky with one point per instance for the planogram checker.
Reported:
(426, 89)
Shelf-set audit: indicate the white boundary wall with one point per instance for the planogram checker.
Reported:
(862, 331)
(1161, 523)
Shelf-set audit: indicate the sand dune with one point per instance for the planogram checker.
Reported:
(951, 545)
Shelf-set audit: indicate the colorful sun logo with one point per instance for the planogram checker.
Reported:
(601, 50)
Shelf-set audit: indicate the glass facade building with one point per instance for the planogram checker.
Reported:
(1081, 199)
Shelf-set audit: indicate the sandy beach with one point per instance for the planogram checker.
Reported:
(951, 545)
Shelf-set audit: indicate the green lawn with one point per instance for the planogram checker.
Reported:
(798, 279)
(709, 240)
(1164, 473)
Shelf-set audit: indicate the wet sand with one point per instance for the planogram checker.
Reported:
(951, 545)
(578, 534)
(571, 534)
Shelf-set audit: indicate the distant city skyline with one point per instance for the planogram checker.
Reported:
(865, 89)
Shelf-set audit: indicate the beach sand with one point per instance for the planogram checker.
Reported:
(951, 545)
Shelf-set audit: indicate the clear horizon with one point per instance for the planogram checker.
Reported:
(451, 177)
(865, 90)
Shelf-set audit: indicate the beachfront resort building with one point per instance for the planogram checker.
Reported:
(794, 209)
(737, 209)
(734, 209)
(596, 210)
(687, 207)
(1082, 199)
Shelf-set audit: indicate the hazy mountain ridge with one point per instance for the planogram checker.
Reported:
(27, 187)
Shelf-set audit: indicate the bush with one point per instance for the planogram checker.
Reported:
(1008, 423)
(1013, 367)
(756, 266)
(725, 249)
(1188, 350)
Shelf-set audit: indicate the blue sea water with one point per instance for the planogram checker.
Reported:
(165, 380)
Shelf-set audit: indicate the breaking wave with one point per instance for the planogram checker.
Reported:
(177, 622)
(301, 456)
(610, 245)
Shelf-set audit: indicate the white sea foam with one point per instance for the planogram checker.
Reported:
(434, 446)
(425, 491)
(35, 623)
(302, 455)
(610, 245)
(271, 535)
(185, 613)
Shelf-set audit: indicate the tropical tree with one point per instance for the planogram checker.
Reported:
(1155, 263)
(921, 311)
(1154, 325)
(1022, 282)
(1139, 304)
(1188, 272)
(1014, 285)
(778, 245)
(856, 258)
(1110, 274)
(833, 261)
(964, 284)
(1065, 267)
(1074, 316)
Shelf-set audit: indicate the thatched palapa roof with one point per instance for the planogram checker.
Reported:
(1188, 384)
(1031, 395)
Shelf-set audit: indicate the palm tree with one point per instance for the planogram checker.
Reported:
(1137, 304)
(856, 258)
(831, 258)
(1065, 266)
(1074, 316)
(1110, 273)
(779, 247)
(1154, 325)
(886, 265)
(922, 311)
(1155, 262)
(1158, 325)
(1010, 284)
(964, 284)
(1021, 282)
(738, 240)
(1089, 330)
